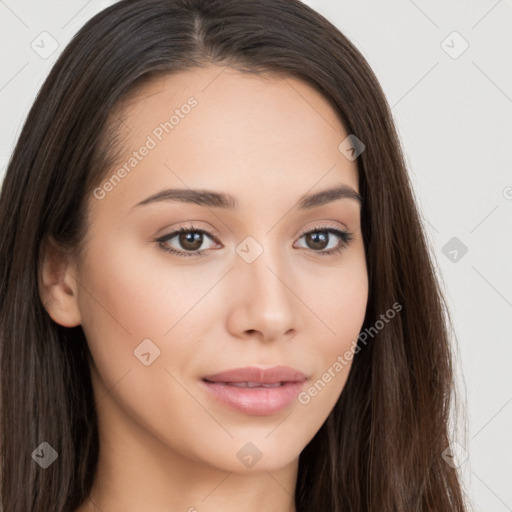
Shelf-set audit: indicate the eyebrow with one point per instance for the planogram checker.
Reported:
(212, 199)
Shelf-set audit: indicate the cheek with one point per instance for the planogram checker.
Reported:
(338, 296)
(131, 295)
(139, 291)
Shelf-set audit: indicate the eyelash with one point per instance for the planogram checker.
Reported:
(344, 236)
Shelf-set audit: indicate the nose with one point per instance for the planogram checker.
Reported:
(264, 302)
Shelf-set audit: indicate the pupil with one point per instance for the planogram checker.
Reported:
(191, 240)
(317, 240)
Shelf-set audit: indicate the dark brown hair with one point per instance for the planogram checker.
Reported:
(380, 448)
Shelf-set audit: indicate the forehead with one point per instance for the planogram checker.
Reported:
(221, 129)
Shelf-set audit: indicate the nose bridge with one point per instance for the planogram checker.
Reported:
(265, 295)
(267, 276)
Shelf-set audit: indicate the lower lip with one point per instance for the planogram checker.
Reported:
(255, 401)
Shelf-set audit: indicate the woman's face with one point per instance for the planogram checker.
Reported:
(260, 278)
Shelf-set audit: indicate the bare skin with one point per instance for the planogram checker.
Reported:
(165, 443)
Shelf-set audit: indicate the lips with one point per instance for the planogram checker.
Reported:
(251, 384)
(256, 391)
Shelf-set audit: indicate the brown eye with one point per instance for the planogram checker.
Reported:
(326, 240)
(191, 240)
(186, 241)
(317, 240)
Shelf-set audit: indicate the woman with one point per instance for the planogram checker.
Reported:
(216, 293)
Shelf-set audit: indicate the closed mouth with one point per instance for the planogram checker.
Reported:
(248, 384)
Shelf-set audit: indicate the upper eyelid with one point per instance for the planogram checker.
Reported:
(215, 234)
(185, 229)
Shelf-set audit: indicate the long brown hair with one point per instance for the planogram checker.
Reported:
(380, 448)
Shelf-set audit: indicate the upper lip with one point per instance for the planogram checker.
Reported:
(259, 375)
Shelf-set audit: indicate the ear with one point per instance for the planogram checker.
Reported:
(57, 284)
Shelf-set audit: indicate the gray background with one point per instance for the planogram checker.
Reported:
(453, 112)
